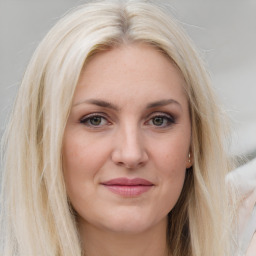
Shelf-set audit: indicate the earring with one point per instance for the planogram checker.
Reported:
(189, 157)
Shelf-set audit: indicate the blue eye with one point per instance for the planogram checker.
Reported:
(94, 121)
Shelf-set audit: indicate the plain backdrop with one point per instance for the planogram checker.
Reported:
(224, 31)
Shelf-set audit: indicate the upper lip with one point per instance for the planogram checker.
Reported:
(128, 182)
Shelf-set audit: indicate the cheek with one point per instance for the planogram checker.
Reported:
(171, 154)
(80, 162)
(173, 176)
(173, 169)
(82, 153)
(170, 157)
(80, 166)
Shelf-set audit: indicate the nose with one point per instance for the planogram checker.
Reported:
(129, 150)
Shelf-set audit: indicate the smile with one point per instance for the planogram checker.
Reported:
(128, 187)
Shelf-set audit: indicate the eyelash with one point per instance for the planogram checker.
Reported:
(167, 118)
(86, 119)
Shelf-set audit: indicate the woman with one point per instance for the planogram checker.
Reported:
(118, 142)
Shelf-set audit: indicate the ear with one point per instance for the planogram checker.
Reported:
(190, 159)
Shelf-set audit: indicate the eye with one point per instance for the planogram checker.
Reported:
(94, 120)
(161, 120)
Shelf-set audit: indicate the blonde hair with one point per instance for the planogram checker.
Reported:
(36, 218)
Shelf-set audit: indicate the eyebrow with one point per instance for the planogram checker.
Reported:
(98, 102)
(161, 103)
(106, 104)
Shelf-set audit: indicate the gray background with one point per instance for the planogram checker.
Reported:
(225, 32)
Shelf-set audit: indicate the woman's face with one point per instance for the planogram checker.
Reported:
(127, 140)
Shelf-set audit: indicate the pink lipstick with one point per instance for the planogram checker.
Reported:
(128, 187)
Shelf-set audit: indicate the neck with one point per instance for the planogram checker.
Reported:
(108, 243)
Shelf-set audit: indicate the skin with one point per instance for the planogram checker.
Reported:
(132, 138)
(252, 248)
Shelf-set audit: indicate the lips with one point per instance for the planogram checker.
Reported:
(128, 187)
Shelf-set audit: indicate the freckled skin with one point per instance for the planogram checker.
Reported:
(127, 143)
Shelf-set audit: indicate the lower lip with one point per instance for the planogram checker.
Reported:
(128, 191)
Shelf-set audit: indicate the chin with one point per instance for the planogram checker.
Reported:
(127, 229)
(131, 223)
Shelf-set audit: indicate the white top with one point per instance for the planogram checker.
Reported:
(244, 179)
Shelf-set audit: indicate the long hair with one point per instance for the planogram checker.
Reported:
(36, 217)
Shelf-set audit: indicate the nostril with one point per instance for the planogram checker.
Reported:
(133, 165)
(120, 163)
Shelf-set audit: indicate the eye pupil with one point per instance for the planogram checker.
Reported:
(158, 121)
(95, 120)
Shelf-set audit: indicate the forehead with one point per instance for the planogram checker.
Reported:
(136, 70)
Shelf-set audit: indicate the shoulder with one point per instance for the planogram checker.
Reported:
(244, 181)
(244, 178)
(252, 247)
